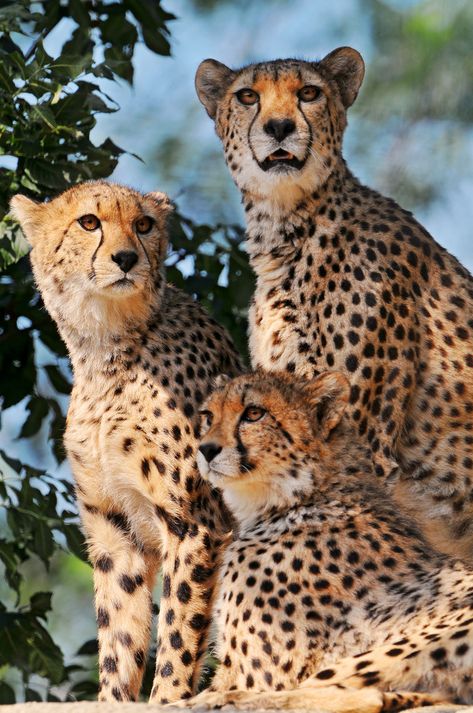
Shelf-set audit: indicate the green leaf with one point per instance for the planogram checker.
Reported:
(45, 174)
(56, 432)
(46, 657)
(9, 557)
(38, 410)
(7, 694)
(43, 542)
(40, 603)
(79, 13)
(75, 541)
(44, 113)
(32, 695)
(83, 691)
(12, 462)
(57, 379)
(88, 648)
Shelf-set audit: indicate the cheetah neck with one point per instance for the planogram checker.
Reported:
(102, 333)
(277, 225)
(250, 501)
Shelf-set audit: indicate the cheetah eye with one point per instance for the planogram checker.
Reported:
(247, 96)
(144, 224)
(253, 413)
(89, 222)
(206, 418)
(309, 93)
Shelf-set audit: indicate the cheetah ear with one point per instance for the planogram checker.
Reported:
(328, 395)
(162, 200)
(345, 65)
(221, 380)
(29, 214)
(211, 82)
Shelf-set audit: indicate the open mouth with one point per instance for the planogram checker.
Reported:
(279, 158)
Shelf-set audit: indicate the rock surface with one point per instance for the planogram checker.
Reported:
(95, 707)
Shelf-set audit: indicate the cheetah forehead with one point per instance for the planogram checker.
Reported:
(110, 199)
(275, 390)
(290, 72)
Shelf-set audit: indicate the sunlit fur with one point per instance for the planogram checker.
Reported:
(346, 279)
(330, 598)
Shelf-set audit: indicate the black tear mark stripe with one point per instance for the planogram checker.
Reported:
(58, 246)
(309, 143)
(248, 138)
(245, 464)
(94, 255)
(142, 212)
(144, 249)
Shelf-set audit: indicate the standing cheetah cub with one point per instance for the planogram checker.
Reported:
(143, 356)
(328, 597)
(348, 280)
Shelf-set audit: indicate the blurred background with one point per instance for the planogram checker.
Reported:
(410, 130)
(410, 136)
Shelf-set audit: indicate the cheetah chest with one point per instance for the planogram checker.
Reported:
(102, 446)
(284, 322)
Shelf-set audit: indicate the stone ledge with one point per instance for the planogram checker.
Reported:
(95, 707)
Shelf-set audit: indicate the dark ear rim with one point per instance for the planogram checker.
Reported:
(328, 395)
(211, 81)
(346, 67)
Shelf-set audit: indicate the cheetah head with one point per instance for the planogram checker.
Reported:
(98, 251)
(281, 122)
(261, 434)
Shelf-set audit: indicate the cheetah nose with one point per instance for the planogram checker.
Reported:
(209, 451)
(125, 259)
(279, 128)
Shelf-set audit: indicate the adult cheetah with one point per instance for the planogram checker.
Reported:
(325, 583)
(143, 356)
(347, 279)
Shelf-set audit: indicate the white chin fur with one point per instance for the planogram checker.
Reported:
(281, 187)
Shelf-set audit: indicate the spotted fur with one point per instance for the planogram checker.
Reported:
(143, 356)
(347, 279)
(325, 584)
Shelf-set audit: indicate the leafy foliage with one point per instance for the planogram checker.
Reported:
(48, 108)
(416, 101)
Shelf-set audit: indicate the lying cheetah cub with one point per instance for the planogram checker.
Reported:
(143, 356)
(328, 597)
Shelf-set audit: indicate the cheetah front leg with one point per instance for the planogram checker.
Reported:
(123, 581)
(189, 574)
(401, 700)
(339, 699)
(330, 698)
